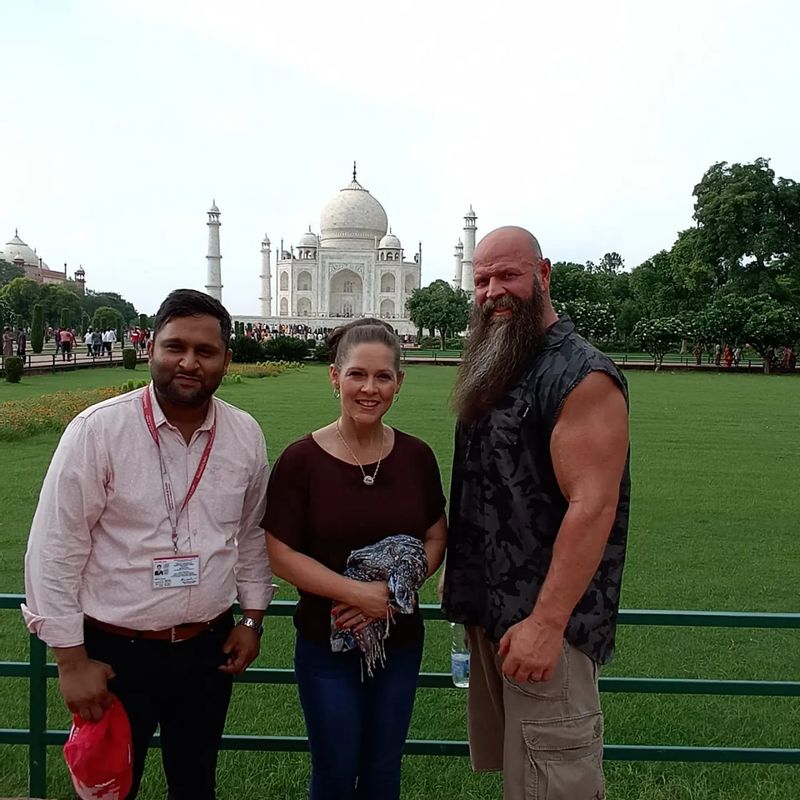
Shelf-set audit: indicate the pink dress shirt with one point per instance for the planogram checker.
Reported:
(102, 519)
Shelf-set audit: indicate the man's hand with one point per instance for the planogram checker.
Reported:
(242, 648)
(83, 683)
(530, 650)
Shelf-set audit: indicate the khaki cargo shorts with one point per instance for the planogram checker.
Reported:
(546, 737)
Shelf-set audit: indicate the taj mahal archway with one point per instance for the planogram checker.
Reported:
(346, 294)
(387, 309)
(304, 307)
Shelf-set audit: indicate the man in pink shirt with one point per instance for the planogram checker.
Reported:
(147, 530)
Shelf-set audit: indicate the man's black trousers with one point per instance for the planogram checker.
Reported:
(178, 688)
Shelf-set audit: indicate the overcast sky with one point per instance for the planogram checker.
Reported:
(588, 123)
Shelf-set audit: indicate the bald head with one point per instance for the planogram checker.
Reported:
(507, 242)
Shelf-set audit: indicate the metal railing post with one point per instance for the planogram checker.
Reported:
(37, 749)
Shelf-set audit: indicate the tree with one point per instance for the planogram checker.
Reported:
(21, 294)
(593, 321)
(749, 225)
(658, 336)
(610, 263)
(66, 318)
(9, 271)
(105, 318)
(37, 329)
(440, 307)
(54, 298)
(7, 315)
(94, 300)
(770, 325)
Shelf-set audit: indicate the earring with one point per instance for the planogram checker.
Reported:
(336, 394)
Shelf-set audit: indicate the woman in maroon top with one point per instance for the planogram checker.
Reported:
(350, 484)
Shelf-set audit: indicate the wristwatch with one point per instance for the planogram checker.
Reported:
(254, 624)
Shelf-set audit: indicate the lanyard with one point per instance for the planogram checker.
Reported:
(173, 511)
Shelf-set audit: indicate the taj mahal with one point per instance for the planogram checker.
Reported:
(355, 267)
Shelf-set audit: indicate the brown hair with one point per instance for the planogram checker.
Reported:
(369, 330)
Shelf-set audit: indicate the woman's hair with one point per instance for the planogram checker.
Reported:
(343, 339)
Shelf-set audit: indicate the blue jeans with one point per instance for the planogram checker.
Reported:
(356, 730)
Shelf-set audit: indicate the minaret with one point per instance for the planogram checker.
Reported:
(467, 281)
(80, 280)
(459, 255)
(266, 278)
(214, 259)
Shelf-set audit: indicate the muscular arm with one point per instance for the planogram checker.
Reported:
(589, 447)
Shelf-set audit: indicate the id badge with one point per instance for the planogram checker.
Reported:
(172, 572)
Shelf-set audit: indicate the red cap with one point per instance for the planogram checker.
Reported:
(99, 755)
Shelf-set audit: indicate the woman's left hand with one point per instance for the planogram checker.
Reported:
(351, 617)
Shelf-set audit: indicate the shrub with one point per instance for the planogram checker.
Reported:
(456, 343)
(37, 329)
(13, 366)
(322, 352)
(285, 348)
(129, 358)
(430, 343)
(66, 318)
(246, 350)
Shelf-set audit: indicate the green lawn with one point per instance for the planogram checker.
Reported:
(714, 526)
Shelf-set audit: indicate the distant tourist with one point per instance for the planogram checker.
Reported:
(87, 340)
(109, 338)
(737, 355)
(22, 343)
(8, 341)
(698, 354)
(717, 353)
(538, 527)
(727, 357)
(67, 339)
(97, 342)
(354, 483)
(134, 595)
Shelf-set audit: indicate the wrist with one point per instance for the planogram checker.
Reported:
(70, 658)
(252, 623)
(549, 619)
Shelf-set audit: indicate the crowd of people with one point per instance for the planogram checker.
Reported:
(159, 510)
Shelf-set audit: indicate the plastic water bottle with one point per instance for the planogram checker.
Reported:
(459, 656)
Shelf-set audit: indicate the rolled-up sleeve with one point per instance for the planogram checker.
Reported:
(254, 585)
(72, 499)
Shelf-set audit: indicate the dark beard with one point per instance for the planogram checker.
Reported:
(496, 352)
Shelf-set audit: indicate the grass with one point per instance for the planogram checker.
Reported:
(714, 526)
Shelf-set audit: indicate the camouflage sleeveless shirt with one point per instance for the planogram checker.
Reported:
(506, 506)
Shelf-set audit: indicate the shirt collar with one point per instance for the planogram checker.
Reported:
(160, 419)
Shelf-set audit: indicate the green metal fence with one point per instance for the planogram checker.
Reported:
(37, 671)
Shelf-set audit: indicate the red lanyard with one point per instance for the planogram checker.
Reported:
(173, 512)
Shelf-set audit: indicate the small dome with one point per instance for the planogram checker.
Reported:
(352, 218)
(308, 239)
(389, 242)
(470, 214)
(213, 209)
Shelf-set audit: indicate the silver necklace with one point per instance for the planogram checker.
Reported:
(368, 480)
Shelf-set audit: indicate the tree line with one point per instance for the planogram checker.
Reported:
(733, 278)
(25, 303)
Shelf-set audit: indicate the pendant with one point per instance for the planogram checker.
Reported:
(368, 480)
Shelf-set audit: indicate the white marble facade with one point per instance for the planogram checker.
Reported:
(354, 267)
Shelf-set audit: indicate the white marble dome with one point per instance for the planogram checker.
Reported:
(389, 242)
(353, 218)
(308, 239)
(17, 249)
